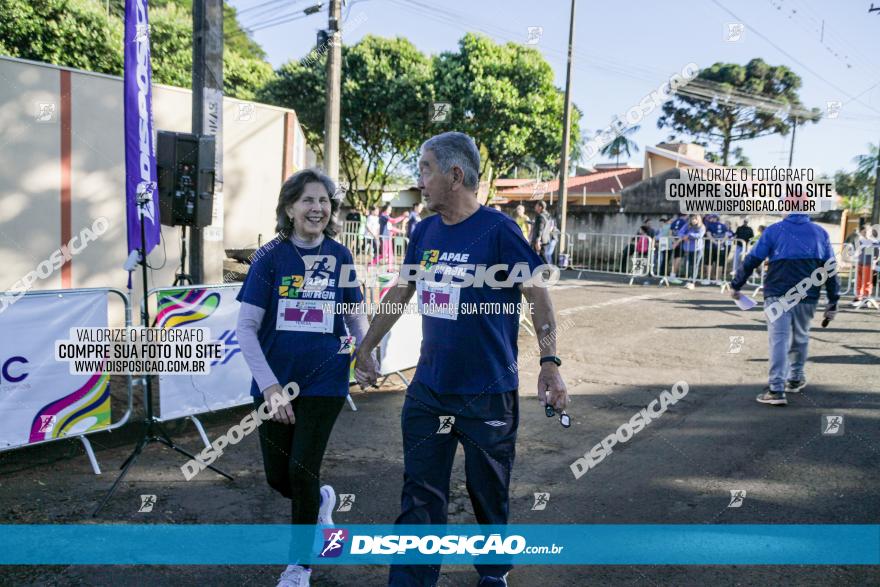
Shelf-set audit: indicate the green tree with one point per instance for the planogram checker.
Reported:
(856, 188)
(503, 96)
(621, 144)
(171, 51)
(737, 155)
(75, 33)
(866, 165)
(81, 34)
(234, 37)
(386, 96)
(738, 111)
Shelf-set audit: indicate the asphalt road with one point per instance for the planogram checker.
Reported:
(621, 347)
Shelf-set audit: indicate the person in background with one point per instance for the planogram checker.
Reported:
(796, 249)
(303, 260)
(718, 233)
(386, 234)
(540, 235)
(413, 219)
(743, 236)
(522, 220)
(663, 244)
(550, 248)
(757, 237)
(692, 248)
(679, 222)
(497, 207)
(866, 250)
(642, 244)
(372, 230)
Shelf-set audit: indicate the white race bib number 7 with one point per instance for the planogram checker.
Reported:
(305, 316)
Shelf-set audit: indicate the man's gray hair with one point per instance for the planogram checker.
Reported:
(456, 149)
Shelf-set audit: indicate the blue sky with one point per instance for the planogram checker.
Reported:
(625, 50)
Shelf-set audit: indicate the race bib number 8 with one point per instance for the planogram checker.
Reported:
(438, 300)
(305, 316)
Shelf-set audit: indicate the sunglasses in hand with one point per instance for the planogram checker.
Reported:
(564, 418)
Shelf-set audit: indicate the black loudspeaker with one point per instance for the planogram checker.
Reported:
(185, 168)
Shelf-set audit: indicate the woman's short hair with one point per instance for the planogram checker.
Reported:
(292, 190)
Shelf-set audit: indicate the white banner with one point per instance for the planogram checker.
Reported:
(400, 348)
(39, 398)
(229, 383)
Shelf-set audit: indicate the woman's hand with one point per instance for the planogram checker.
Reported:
(366, 372)
(284, 414)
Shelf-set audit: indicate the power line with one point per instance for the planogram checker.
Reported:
(275, 13)
(276, 2)
(789, 55)
(284, 20)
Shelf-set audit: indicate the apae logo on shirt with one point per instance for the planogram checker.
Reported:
(434, 256)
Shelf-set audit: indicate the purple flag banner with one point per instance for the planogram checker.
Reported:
(140, 148)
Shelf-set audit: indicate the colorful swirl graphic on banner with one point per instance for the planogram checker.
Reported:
(87, 408)
(182, 306)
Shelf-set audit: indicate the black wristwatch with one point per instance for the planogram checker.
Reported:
(551, 359)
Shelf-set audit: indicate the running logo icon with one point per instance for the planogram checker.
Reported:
(440, 111)
(736, 344)
(147, 503)
(334, 540)
(47, 423)
(541, 500)
(346, 346)
(736, 498)
(832, 425)
(346, 500)
(320, 268)
(446, 423)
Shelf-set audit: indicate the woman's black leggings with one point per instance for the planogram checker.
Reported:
(292, 455)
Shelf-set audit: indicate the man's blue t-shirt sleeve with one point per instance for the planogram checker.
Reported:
(258, 284)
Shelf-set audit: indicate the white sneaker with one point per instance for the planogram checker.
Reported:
(328, 503)
(295, 576)
(689, 285)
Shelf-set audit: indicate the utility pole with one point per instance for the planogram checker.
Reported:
(207, 114)
(875, 211)
(334, 77)
(791, 150)
(566, 130)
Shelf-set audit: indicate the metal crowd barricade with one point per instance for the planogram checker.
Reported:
(711, 262)
(82, 436)
(620, 254)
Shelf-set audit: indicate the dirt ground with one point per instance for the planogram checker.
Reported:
(621, 346)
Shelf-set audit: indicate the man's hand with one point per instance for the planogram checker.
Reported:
(284, 414)
(551, 387)
(735, 294)
(830, 312)
(366, 372)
